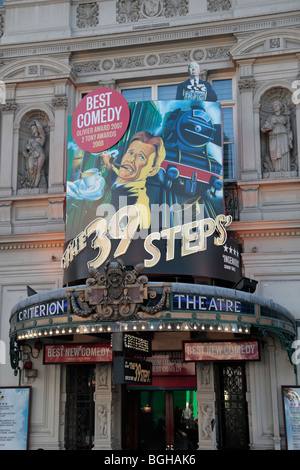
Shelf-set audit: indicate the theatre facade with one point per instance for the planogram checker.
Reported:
(149, 225)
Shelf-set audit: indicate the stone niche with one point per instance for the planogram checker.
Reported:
(33, 153)
(278, 134)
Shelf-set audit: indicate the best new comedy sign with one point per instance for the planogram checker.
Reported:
(144, 183)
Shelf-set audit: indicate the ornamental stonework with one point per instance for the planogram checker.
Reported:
(153, 60)
(60, 101)
(88, 15)
(1, 25)
(218, 5)
(135, 10)
(116, 294)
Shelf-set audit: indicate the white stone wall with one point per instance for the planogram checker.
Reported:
(51, 52)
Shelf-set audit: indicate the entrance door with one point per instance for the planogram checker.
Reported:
(232, 406)
(165, 420)
(80, 407)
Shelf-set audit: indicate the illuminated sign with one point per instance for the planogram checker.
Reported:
(132, 371)
(221, 351)
(44, 309)
(136, 344)
(170, 363)
(206, 303)
(77, 353)
(155, 196)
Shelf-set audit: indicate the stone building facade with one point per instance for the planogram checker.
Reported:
(52, 52)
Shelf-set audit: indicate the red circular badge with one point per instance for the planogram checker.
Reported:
(100, 120)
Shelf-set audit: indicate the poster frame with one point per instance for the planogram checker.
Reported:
(283, 387)
(28, 388)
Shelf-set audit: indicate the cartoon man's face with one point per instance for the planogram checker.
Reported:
(137, 163)
(193, 69)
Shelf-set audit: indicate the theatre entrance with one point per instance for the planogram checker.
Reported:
(80, 407)
(160, 420)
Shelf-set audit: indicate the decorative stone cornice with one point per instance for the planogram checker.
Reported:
(265, 229)
(144, 61)
(158, 34)
(30, 245)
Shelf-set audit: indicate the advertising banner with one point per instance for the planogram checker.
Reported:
(291, 406)
(77, 353)
(132, 371)
(222, 351)
(155, 196)
(14, 417)
(170, 363)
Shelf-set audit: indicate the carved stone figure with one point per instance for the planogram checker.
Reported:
(102, 422)
(34, 155)
(277, 127)
(206, 411)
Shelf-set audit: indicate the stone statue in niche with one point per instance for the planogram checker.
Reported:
(278, 128)
(278, 133)
(34, 155)
(32, 171)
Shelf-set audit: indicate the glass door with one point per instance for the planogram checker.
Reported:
(232, 407)
(167, 420)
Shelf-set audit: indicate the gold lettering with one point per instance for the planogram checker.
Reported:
(152, 250)
(100, 241)
(188, 237)
(222, 221)
(206, 228)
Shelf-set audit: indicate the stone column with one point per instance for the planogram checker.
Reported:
(6, 150)
(58, 151)
(103, 407)
(298, 136)
(116, 414)
(246, 85)
(274, 399)
(111, 83)
(296, 101)
(206, 405)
